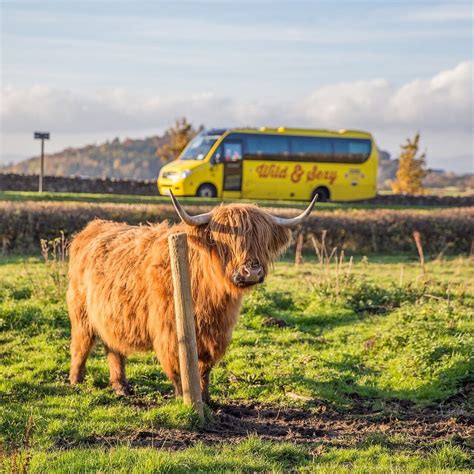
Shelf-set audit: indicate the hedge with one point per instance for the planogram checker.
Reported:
(23, 224)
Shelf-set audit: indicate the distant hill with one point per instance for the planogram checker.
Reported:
(128, 159)
(435, 178)
(387, 168)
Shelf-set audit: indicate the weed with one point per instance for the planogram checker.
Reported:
(370, 298)
(55, 253)
(264, 302)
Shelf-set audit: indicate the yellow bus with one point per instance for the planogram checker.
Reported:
(275, 163)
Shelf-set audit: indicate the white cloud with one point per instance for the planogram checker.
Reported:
(440, 104)
(112, 110)
(349, 105)
(443, 102)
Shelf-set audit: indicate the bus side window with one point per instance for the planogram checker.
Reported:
(267, 146)
(232, 151)
(351, 150)
(312, 148)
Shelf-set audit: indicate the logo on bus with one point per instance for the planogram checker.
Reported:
(296, 174)
(354, 176)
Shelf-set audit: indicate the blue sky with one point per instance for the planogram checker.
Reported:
(94, 70)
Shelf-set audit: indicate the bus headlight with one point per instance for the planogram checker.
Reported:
(184, 174)
(175, 175)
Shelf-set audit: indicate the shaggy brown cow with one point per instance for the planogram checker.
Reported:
(120, 286)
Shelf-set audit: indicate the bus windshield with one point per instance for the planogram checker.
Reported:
(198, 147)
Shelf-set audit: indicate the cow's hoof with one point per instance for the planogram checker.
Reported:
(122, 389)
(76, 377)
(76, 380)
(212, 404)
(208, 400)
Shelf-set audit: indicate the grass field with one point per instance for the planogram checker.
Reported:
(366, 367)
(128, 199)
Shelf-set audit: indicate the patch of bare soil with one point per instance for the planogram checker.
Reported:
(411, 428)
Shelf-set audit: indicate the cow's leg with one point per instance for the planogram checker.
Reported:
(173, 374)
(82, 336)
(82, 340)
(170, 365)
(168, 356)
(205, 371)
(178, 388)
(118, 379)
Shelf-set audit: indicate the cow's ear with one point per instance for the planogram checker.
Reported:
(281, 240)
(201, 234)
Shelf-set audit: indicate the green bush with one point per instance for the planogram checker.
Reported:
(370, 298)
(261, 301)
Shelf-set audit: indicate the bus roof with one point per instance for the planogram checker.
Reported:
(288, 131)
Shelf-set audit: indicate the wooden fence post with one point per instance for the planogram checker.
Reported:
(419, 247)
(299, 248)
(185, 327)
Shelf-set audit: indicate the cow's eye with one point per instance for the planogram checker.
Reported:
(209, 239)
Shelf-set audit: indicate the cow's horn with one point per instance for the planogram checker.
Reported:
(298, 219)
(200, 219)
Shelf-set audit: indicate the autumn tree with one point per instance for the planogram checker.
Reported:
(178, 137)
(411, 169)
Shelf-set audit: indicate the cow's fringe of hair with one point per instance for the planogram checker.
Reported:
(243, 233)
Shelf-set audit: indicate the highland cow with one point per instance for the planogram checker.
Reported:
(120, 286)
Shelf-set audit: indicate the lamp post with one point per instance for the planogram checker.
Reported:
(41, 136)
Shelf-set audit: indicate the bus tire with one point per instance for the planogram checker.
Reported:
(207, 190)
(323, 194)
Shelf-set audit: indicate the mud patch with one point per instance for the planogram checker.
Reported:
(405, 428)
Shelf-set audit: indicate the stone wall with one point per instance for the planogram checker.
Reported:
(59, 184)
(409, 200)
(18, 182)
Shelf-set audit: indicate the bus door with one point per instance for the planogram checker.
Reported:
(232, 155)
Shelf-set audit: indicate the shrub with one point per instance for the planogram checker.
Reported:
(369, 298)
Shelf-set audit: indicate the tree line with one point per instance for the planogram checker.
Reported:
(143, 158)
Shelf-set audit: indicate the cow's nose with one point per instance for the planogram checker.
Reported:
(251, 273)
(244, 270)
(257, 270)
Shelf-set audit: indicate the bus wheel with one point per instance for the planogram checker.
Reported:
(207, 190)
(323, 194)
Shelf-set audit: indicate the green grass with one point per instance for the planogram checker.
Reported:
(250, 455)
(129, 199)
(373, 333)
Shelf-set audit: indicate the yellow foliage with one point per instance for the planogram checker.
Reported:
(178, 137)
(411, 169)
